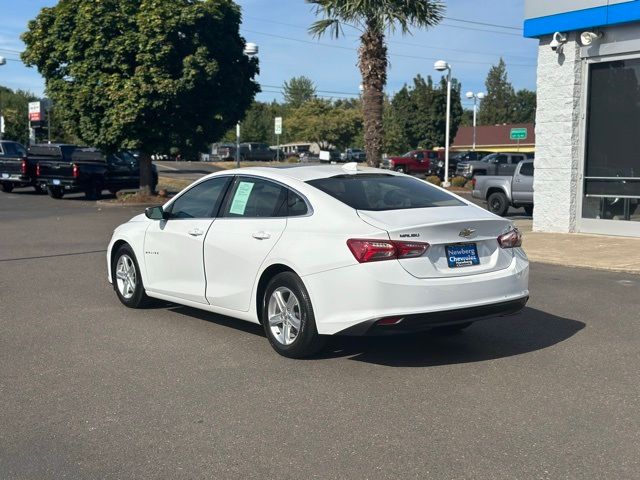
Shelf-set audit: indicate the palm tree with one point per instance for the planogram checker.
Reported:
(374, 18)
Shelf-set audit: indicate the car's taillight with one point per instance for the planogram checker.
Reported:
(76, 171)
(378, 250)
(511, 239)
(38, 170)
(23, 166)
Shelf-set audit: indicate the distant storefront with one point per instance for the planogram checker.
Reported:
(496, 138)
(588, 117)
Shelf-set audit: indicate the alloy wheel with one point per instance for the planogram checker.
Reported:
(126, 277)
(284, 315)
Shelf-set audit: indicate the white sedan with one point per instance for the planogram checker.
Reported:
(321, 250)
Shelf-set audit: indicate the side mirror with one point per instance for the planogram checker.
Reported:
(155, 213)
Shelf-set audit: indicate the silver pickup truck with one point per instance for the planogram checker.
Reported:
(501, 192)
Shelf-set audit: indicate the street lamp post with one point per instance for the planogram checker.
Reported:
(250, 50)
(3, 61)
(475, 97)
(442, 66)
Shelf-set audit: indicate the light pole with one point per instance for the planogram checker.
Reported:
(475, 97)
(442, 66)
(3, 61)
(250, 50)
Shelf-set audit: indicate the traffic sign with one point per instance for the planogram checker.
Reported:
(278, 126)
(519, 134)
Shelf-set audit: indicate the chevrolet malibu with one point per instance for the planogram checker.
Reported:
(315, 251)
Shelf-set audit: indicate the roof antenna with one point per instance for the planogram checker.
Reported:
(351, 167)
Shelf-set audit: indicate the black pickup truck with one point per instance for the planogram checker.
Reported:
(16, 168)
(88, 171)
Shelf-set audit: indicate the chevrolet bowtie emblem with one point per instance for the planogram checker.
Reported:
(467, 232)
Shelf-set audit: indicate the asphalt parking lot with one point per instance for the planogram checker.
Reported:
(89, 389)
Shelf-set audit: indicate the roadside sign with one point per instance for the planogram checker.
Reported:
(519, 134)
(278, 126)
(35, 112)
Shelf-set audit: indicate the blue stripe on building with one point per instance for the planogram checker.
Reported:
(580, 19)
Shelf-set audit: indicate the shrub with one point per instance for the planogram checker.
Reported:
(469, 185)
(434, 179)
(458, 182)
(293, 159)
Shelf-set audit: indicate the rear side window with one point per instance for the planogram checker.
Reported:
(256, 198)
(13, 149)
(527, 169)
(378, 192)
(296, 206)
(201, 201)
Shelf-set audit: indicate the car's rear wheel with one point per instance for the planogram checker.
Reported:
(7, 187)
(55, 192)
(127, 281)
(498, 203)
(288, 319)
(94, 190)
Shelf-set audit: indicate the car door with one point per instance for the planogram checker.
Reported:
(238, 242)
(522, 189)
(173, 248)
(502, 166)
(118, 172)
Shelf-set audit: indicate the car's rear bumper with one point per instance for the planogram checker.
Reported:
(16, 179)
(353, 299)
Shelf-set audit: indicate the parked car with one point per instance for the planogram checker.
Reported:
(223, 152)
(277, 246)
(88, 171)
(415, 161)
(494, 164)
(16, 168)
(500, 192)
(353, 155)
(256, 152)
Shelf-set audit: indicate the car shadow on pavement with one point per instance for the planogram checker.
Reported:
(526, 332)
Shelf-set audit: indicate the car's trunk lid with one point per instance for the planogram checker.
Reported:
(55, 168)
(443, 227)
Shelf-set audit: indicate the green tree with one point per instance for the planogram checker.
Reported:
(524, 107)
(320, 121)
(143, 74)
(498, 106)
(15, 109)
(467, 118)
(374, 18)
(298, 90)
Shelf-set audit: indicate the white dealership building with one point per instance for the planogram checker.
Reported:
(588, 119)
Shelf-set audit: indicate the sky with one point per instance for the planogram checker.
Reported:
(279, 27)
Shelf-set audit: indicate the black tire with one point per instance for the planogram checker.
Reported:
(7, 187)
(307, 342)
(55, 192)
(40, 190)
(529, 210)
(401, 169)
(94, 191)
(113, 191)
(139, 298)
(450, 329)
(498, 203)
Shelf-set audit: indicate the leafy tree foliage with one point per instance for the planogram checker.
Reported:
(143, 74)
(524, 107)
(15, 109)
(498, 105)
(320, 121)
(299, 90)
(374, 18)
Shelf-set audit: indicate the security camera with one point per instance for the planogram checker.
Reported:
(558, 41)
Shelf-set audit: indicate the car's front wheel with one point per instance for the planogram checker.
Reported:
(288, 319)
(401, 169)
(127, 280)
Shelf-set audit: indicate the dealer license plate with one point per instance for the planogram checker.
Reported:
(56, 182)
(463, 255)
(5, 175)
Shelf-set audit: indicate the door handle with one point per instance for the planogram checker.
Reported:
(261, 235)
(196, 232)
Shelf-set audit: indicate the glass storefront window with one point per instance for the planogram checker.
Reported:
(612, 166)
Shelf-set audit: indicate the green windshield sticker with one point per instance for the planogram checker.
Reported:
(240, 199)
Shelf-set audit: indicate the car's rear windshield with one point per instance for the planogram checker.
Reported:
(379, 192)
